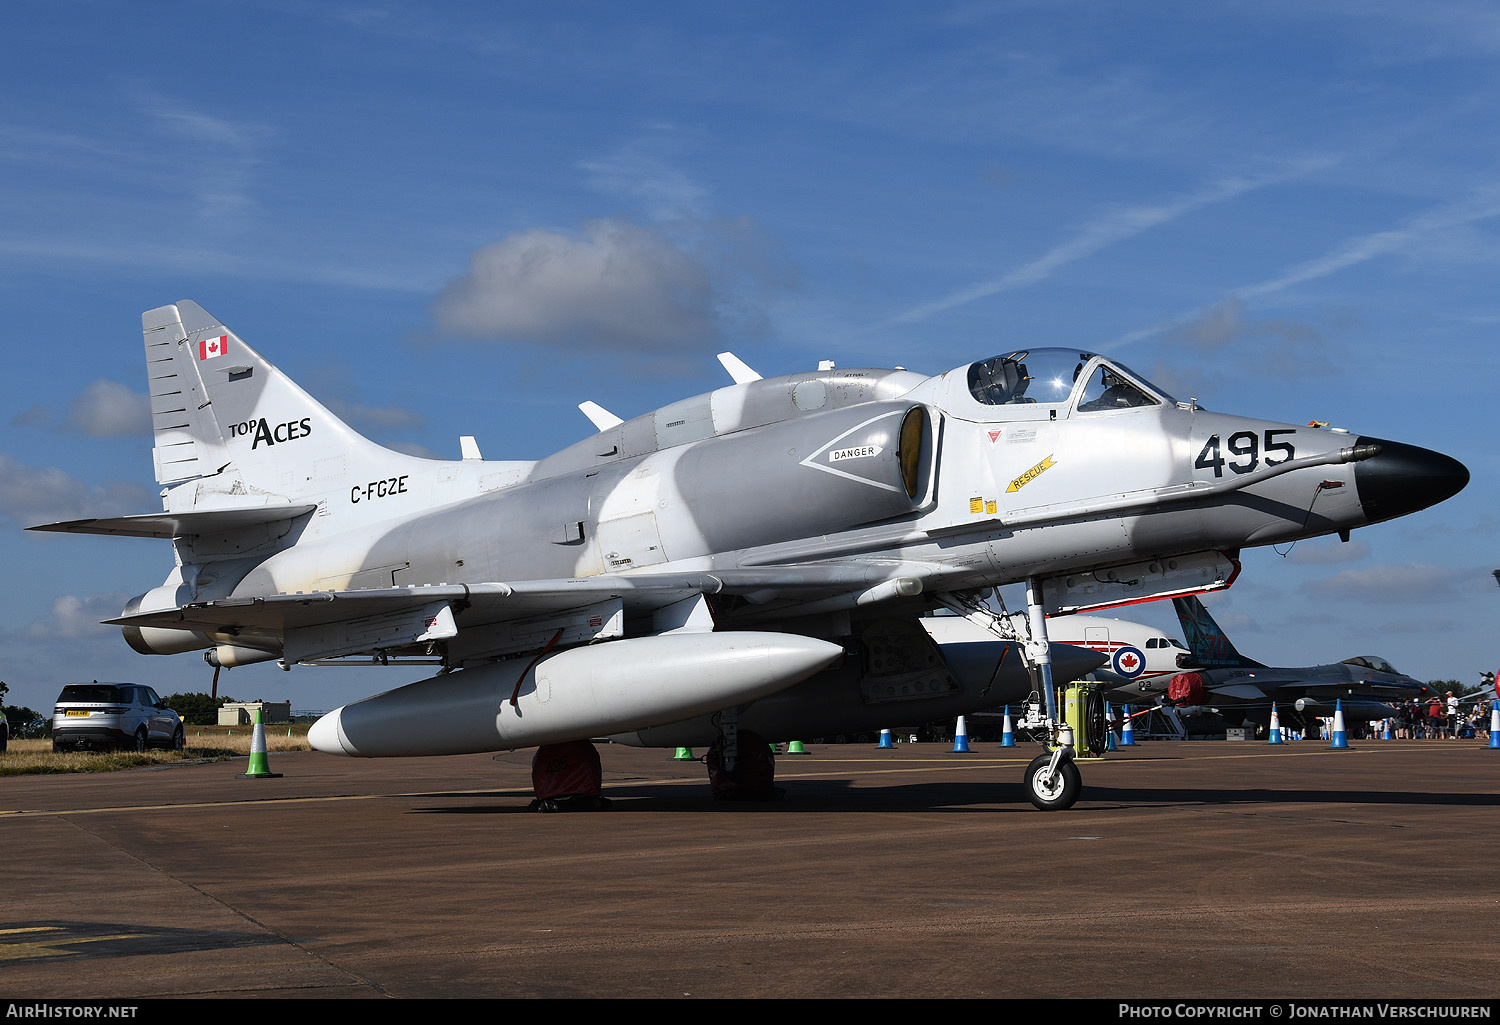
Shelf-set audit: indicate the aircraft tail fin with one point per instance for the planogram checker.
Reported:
(1206, 640)
(220, 410)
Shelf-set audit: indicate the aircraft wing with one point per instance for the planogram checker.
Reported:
(1239, 691)
(1379, 690)
(1264, 687)
(275, 613)
(479, 621)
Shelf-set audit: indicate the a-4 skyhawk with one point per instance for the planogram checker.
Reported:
(753, 558)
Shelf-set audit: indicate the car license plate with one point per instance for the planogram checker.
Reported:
(77, 712)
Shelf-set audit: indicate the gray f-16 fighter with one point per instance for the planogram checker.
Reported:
(756, 557)
(1238, 686)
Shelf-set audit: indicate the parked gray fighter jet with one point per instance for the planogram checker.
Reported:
(1241, 687)
(754, 556)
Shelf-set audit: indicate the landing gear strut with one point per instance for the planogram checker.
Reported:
(1052, 781)
(740, 764)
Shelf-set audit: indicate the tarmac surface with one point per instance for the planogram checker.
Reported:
(1208, 869)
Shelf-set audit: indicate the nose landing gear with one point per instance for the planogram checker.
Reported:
(1052, 781)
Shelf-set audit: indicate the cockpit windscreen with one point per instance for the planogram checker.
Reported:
(1037, 375)
(1374, 662)
(1049, 376)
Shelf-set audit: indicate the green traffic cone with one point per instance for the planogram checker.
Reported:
(260, 766)
(794, 747)
(684, 754)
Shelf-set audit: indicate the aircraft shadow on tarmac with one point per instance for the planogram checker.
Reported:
(838, 795)
(37, 942)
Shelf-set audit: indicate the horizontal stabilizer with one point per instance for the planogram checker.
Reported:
(182, 524)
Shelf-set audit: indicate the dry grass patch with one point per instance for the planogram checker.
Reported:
(36, 757)
(236, 739)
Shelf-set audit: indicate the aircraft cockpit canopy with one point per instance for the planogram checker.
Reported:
(1050, 376)
(1374, 662)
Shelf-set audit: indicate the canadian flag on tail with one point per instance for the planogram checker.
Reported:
(211, 347)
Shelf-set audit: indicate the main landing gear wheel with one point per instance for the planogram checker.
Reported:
(754, 774)
(1055, 791)
(567, 777)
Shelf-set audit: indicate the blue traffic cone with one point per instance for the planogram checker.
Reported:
(960, 737)
(1109, 729)
(1339, 738)
(1495, 724)
(1275, 735)
(1387, 735)
(1127, 731)
(1008, 736)
(885, 739)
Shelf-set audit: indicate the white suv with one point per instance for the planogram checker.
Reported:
(100, 715)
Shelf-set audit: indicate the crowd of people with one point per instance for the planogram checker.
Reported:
(1442, 718)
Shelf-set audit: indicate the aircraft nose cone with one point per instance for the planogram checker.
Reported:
(1070, 662)
(1405, 478)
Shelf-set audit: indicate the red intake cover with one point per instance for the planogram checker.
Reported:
(566, 770)
(1186, 688)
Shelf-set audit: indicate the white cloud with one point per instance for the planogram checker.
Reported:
(367, 419)
(219, 187)
(663, 190)
(411, 448)
(104, 409)
(74, 617)
(1421, 627)
(43, 494)
(107, 409)
(1325, 551)
(1395, 582)
(618, 285)
(1227, 326)
(37, 415)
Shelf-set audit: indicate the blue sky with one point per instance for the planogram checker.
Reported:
(1286, 210)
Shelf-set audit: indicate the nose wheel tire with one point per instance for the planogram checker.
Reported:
(1055, 791)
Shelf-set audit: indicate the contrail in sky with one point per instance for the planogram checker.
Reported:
(1116, 226)
(1483, 204)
